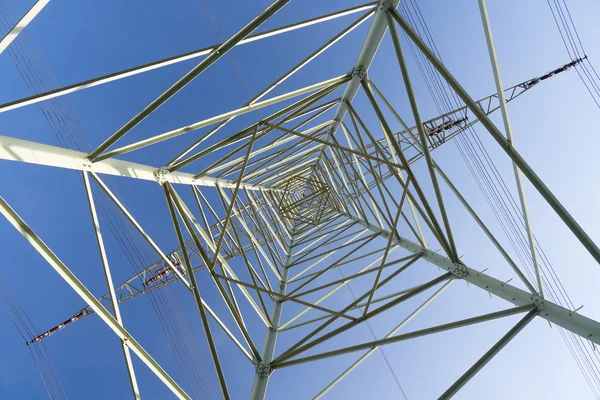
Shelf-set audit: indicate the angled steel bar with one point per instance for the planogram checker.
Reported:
(269, 201)
(228, 286)
(386, 128)
(570, 320)
(109, 282)
(346, 201)
(254, 247)
(234, 196)
(399, 175)
(281, 140)
(424, 145)
(509, 137)
(187, 78)
(298, 325)
(209, 121)
(185, 214)
(365, 58)
(139, 228)
(270, 219)
(227, 331)
(334, 145)
(394, 228)
(368, 353)
(364, 241)
(253, 275)
(284, 297)
(374, 205)
(327, 295)
(176, 59)
(338, 230)
(370, 169)
(349, 325)
(489, 355)
(219, 224)
(388, 296)
(251, 236)
(20, 225)
(411, 335)
(426, 214)
(315, 234)
(255, 165)
(197, 297)
(282, 78)
(356, 275)
(191, 223)
(12, 149)
(263, 369)
(331, 231)
(301, 343)
(485, 229)
(267, 235)
(23, 22)
(332, 173)
(299, 106)
(535, 180)
(329, 253)
(461, 198)
(351, 260)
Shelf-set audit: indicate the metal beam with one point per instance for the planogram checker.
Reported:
(570, 320)
(126, 73)
(489, 355)
(83, 292)
(535, 180)
(406, 336)
(109, 282)
(366, 355)
(424, 145)
(263, 369)
(23, 22)
(222, 117)
(459, 196)
(13, 149)
(365, 58)
(509, 137)
(187, 78)
(197, 297)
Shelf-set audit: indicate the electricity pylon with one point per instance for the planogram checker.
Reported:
(301, 194)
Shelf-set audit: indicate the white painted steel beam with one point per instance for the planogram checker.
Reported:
(170, 60)
(567, 319)
(218, 118)
(109, 282)
(509, 137)
(83, 292)
(13, 149)
(23, 22)
(365, 58)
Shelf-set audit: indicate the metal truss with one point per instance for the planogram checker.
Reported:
(311, 198)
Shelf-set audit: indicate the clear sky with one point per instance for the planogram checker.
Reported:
(554, 125)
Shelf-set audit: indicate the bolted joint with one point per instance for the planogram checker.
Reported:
(460, 271)
(359, 71)
(385, 5)
(263, 370)
(87, 163)
(538, 302)
(160, 175)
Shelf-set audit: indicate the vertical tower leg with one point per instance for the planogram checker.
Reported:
(263, 369)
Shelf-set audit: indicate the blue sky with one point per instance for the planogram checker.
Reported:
(554, 127)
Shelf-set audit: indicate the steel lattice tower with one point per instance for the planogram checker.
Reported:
(303, 191)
